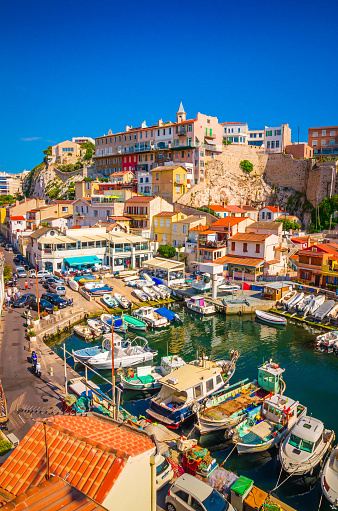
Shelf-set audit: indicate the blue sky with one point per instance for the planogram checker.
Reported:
(82, 68)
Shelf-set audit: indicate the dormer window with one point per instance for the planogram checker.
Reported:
(314, 249)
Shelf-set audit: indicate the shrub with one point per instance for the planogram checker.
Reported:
(7, 272)
(5, 446)
(31, 333)
(166, 251)
(288, 224)
(246, 166)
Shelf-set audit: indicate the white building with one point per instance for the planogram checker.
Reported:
(83, 140)
(144, 182)
(235, 132)
(277, 138)
(256, 138)
(9, 185)
(88, 211)
(269, 214)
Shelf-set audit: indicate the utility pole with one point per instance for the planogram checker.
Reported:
(37, 288)
(115, 412)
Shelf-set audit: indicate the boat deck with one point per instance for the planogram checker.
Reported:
(234, 405)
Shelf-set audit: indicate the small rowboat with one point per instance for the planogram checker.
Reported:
(83, 331)
(272, 319)
(110, 301)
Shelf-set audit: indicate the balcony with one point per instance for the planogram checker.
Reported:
(217, 148)
(181, 132)
(212, 244)
(330, 271)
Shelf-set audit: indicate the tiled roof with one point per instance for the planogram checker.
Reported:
(166, 213)
(88, 452)
(62, 201)
(274, 209)
(229, 220)
(215, 207)
(140, 198)
(17, 218)
(119, 218)
(121, 173)
(249, 208)
(234, 209)
(53, 494)
(166, 167)
(208, 232)
(300, 239)
(265, 225)
(200, 228)
(245, 236)
(189, 219)
(39, 232)
(240, 260)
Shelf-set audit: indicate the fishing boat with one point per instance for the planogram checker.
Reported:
(184, 390)
(272, 319)
(100, 290)
(227, 408)
(134, 323)
(123, 301)
(86, 353)
(329, 478)
(290, 304)
(93, 285)
(324, 309)
(151, 317)
(118, 323)
(97, 327)
(197, 304)
(73, 285)
(326, 342)
(141, 295)
(267, 424)
(147, 377)
(83, 331)
(137, 352)
(149, 291)
(168, 314)
(305, 447)
(315, 303)
(110, 301)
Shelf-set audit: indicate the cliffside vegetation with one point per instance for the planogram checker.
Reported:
(325, 216)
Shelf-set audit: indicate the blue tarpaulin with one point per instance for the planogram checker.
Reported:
(104, 289)
(157, 281)
(166, 313)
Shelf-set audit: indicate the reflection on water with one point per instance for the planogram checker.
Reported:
(310, 376)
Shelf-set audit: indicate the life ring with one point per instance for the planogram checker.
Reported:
(66, 328)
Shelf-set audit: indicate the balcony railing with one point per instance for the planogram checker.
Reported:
(215, 148)
(181, 132)
(212, 244)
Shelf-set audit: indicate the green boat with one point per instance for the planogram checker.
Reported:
(134, 323)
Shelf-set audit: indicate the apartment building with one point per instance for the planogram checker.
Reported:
(162, 226)
(123, 177)
(143, 148)
(269, 213)
(141, 211)
(235, 132)
(318, 264)
(87, 211)
(83, 140)
(180, 228)
(231, 225)
(170, 181)
(36, 216)
(323, 140)
(9, 185)
(63, 150)
(211, 245)
(277, 138)
(20, 208)
(256, 138)
(144, 182)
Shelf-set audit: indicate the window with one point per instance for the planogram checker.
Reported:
(196, 163)
(184, 229)
(182, 154)
(245, 247)
(161, 222)
(156, 189)
(233, 245)
(155, 222)
(218, 379)
(332, 133)
(332, 141)
(164, 132)
(96, 213)
(167, 223)
(182, 495)
(272, 144)
(314, 142)
(178, 190)
(209, 385)
(157, 176)
(194, 504)
(278, 132)
(258, 248)
(268, 145)
(323, 142)
(268, 133)
(141, 179)
(197, 391)
(260, 135)
(323, 133)
(175, 228)
(158, 133)
(315, 134)
(277, 144)
(140, 135)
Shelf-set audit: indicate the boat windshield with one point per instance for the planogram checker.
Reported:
(215, 502)
(303, 445)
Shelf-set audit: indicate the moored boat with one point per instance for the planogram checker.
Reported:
(326, 342)
(118, 323)
(151, 317)
(83, 331)
(197, 304)
(110, 301)
(272, 319)
(97, 327)
(228, 407)
(324, 309)
(305, 447)
(136, 352)
(141, 295)
(123, 301)
(315, 303)
(329, 478)
(100, 290)
(290, 304)
(134, 323)
(168, 314)
(267, 424)
(93, 285)
(84, 354)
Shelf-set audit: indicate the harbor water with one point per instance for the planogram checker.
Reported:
(310, 376)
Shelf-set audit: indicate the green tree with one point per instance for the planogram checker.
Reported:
(90, 148)
(226, 142)
(48, 151)
(324, 217)
(7, 272)
(167, 251)
(6, 199)
(288, 224)
(246, 166)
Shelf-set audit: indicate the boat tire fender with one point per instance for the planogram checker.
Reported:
(86, 315)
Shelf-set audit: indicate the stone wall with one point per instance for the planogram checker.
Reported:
(322, 182)
(232, 155)
(283, 171)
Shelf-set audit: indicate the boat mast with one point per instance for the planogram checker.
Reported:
(115, 412)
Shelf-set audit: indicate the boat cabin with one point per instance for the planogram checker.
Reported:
(106, 343)
(270, 377)
(307, 434)
(197, 300)
(279, 409)
(169, 364)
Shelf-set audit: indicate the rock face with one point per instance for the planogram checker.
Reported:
(45, 182)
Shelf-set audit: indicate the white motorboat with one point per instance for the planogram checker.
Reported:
(97, 327)
(123, 301)
(293, 302)
(126, 273)
(132, 278)
(279, 414)
(162, 294)
(73, 285)
(86, 353)
(151, 317)
(333, 312)
(93, 285)
(132, 355)
(304, 302)
(305, 447)
(151, 293)
(197, 304)
(329, 478)
(315, 303)
(288, 297)
(272, 319)
(119, 324)
(326, 342)
(110, 301)
(165, 290)
(229, 288)
(324, 309)
(141, 295)
(144, 283)
(147, 278)
(83, 331)
(204, 284)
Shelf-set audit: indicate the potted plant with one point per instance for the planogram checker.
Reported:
(56, 310)
(35, 321)
(32, 335)
(45, 315)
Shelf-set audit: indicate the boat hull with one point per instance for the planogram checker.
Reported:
(122, 362)
(270, 318)
(205, 426)
(205, 311)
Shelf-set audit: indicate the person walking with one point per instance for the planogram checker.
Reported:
(31, 284)
(34, 361)
(26, 284)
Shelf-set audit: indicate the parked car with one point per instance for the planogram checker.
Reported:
(189, 493)
(164, 472)
(57, 289)
(53, 280)
(44, 305)
(23, 300)
(40, 273)
(55, 300)
(21, 273)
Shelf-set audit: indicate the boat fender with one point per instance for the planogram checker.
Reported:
(131, 372)
(66, 328)
(86, 315)
(311, 471)
(182, 417)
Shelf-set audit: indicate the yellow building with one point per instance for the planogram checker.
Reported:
(170, 182)
(180, 228)
(163, 226)
(2, 219)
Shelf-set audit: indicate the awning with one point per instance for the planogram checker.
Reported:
(210, 141)
(78, 261)
(166, 313)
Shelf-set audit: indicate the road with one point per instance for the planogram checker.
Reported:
(22, 388)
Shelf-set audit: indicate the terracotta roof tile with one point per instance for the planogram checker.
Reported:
(140, 198)
(200, 228)
(214, 207)
(166, 213)
(89, 452)
(18, 218)
(240, 260)
(228, 220)
(245, 236)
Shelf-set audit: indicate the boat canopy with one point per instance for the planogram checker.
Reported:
(79, 261)
(104, 289)
(166, 313)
